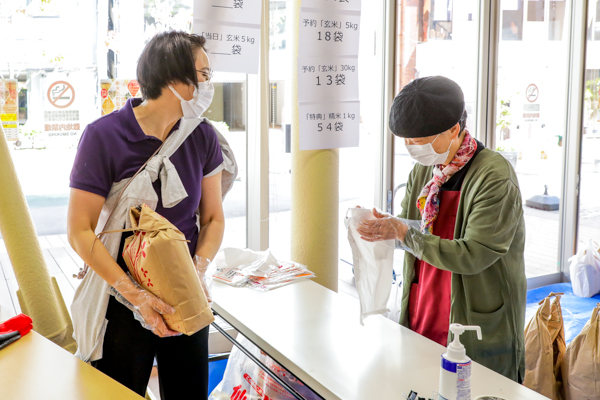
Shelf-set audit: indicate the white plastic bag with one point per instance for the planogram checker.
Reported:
(373, 265)
(257, 269)
(394, 304)
(244, 380)
(585, 270)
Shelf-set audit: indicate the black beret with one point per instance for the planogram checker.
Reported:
(426, 107)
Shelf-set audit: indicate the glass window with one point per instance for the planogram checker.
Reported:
(280, 157)
(589, 206)
(435, 38)
(358, 165)
(531, 110)
(228, 113)
(53, 83)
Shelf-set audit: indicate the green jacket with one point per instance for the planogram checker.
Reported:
(489, 287)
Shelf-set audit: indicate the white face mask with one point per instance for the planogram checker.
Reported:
(194, 108)
(426, 155)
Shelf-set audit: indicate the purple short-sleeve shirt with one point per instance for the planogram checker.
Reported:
(114, 147)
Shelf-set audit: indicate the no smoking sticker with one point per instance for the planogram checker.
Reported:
(61, 94)
(532, 93)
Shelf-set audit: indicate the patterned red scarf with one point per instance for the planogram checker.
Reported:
(429, 202)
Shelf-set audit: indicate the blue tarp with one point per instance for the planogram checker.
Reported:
(576, 310)
(216, 370)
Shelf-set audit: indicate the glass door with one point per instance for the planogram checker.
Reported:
(531, 117)
(435, 37)
(589, 192)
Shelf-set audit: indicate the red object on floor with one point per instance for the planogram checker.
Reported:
(430, 297)
(22, 323)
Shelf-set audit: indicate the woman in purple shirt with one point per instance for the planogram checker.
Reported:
(173, 73)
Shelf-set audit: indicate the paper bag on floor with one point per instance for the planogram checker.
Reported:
(544, 349)
(158, 257)
(581, 363)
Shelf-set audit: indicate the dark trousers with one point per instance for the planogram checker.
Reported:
(129, 350)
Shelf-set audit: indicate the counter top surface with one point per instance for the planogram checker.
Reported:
(315, 333)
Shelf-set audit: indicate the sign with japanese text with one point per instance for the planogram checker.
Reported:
(328, 97)
(230, 11)
(338, 5)
(9, 108)
(230, 48)
(327, 78)
(232, 32)
(329, 32)
(329, 125)
(531, 112)
(61, 110)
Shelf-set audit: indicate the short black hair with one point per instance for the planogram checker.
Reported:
(463, 122)
(168, 58)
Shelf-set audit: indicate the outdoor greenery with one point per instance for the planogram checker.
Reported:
(504, 116)
(31, 135)
(505, 148)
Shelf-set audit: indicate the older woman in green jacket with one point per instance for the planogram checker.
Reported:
(464, 263)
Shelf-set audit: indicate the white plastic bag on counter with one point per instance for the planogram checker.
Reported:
(373, 265)
(585, 270)
(257, 269)
(244, 380)
(234, 265)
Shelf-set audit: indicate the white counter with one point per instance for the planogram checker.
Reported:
(315, 334)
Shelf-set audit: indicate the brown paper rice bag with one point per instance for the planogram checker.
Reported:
(158, 258)
(544, 349)
(581, 363)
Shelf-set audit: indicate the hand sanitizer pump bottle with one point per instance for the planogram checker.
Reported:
(455, 372)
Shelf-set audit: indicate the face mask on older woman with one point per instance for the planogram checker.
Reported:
(426, 155)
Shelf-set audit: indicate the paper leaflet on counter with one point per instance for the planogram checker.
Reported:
(259, 270)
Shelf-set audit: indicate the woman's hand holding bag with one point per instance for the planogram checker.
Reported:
(146, 307)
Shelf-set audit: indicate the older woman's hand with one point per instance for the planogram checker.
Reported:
(384, 227)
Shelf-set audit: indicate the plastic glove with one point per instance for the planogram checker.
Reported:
(384, 227)
(146, 307)
(406, 231)
(205, 269)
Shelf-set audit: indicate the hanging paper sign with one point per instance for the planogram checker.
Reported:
(328, 98)
(341, 5)
(327, 78)
(230, 11)
(329, 125)
(232, 32)
(329, 32)
(230, 48)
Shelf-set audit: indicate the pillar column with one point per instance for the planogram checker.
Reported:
(315, 192)
(38, 294)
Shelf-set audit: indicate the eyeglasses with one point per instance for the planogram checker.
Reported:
(206, 74)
